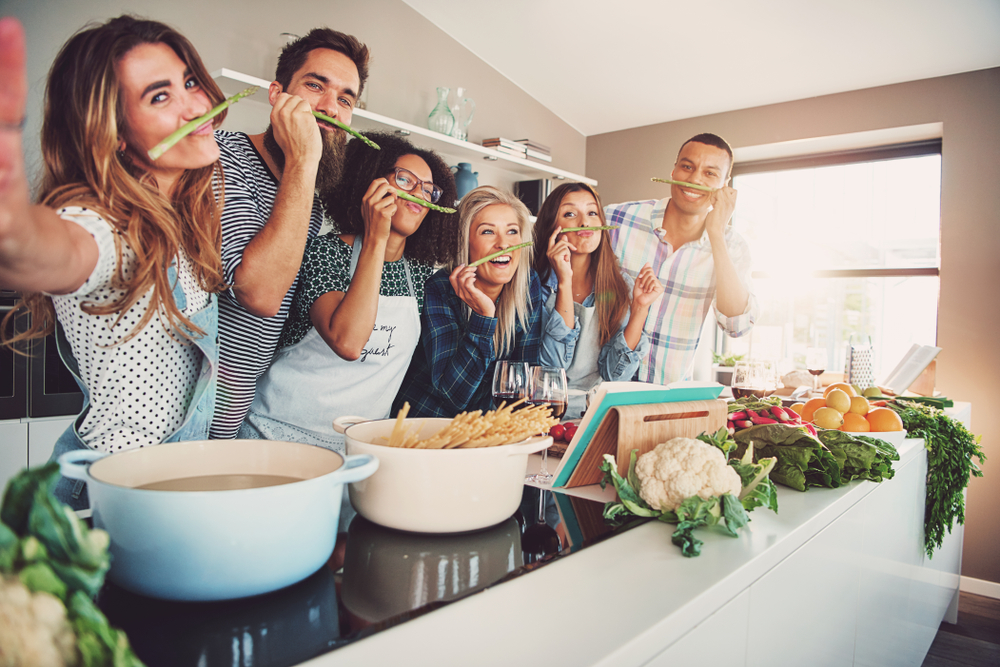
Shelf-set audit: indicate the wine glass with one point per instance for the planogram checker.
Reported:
(510, 382)
(547, 386)
(816, 364)
(757, 378)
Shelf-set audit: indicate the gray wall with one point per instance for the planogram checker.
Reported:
(410, 58)
(968, 106)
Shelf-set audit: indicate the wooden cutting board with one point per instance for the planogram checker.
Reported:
(643, 427)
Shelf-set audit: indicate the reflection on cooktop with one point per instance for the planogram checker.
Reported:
(376, 578)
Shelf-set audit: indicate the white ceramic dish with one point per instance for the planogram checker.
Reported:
(436, 490)
(894, 438)
(216, 545)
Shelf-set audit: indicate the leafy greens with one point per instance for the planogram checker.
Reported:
(950, 450)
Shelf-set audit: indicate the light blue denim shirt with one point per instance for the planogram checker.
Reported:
(199, 411)
(616, 361)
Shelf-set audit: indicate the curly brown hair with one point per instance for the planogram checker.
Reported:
(436, 239)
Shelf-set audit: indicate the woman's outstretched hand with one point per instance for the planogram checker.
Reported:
(463, 281)
(13, 95)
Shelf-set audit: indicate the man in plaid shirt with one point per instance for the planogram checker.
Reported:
(703, 263)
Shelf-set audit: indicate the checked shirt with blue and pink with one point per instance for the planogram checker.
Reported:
(675, 320)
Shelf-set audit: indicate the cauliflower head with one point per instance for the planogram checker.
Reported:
(683, 467)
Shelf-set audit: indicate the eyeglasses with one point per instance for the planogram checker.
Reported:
(406, 180)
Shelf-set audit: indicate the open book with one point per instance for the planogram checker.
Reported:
(910, 367)
(611, 394)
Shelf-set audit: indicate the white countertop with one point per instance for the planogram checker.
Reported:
(617, 602)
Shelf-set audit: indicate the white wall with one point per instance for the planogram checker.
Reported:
(410, 58)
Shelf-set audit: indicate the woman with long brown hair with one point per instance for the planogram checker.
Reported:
(594, 313)
(121, 256)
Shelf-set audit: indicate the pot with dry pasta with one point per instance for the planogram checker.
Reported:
(445, 475)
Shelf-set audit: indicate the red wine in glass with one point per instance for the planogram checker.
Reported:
(508, 397)
(558, 408)
(743, 392)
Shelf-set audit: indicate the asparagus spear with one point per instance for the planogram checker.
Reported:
(498, 253)
(423, 202)
(168, 143)
(585, 229)
(683, 184)
(347, 128)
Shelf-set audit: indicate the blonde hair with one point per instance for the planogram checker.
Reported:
(83, 126)
(513, 306)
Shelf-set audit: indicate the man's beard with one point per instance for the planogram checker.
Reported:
(331, 163)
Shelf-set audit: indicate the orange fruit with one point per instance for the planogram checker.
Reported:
(839, 401)
(811, 406)
(855, 423)
(884, 419)
(843, 386)
(797, 408)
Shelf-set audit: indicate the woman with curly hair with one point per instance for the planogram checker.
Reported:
(355, 319)
(594, 313)
(476, 316)
(121, 257)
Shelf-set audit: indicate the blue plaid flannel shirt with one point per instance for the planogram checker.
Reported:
(452, 367)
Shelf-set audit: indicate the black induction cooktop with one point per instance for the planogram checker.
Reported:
(376, 578)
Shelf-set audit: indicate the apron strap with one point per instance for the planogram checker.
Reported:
(356, 253)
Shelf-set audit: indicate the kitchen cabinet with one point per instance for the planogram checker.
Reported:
(13, 449)
(251, 115)
(28, 443)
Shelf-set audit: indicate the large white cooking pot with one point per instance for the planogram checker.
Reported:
(220, 544)
(436, 490)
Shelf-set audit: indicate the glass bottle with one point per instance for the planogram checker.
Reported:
(441, 119)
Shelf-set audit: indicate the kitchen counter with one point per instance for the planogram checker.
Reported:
(838, 577)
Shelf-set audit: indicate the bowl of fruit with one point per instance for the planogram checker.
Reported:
(842, 408)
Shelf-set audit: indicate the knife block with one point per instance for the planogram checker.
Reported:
(643, 427)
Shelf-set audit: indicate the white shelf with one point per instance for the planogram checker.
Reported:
(453, 149)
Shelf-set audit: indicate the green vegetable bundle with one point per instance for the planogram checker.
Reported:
(803, 461)
(860, 457)
(728, 512)
(45, 545)
(950, 450)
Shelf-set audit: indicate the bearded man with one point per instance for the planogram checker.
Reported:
(274, 184)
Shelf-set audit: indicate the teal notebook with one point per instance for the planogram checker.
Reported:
(613, 394)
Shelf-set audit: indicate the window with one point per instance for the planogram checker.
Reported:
(845, 246)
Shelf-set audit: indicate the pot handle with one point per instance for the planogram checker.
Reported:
(358, 467)
(340, 424)
(74, 464)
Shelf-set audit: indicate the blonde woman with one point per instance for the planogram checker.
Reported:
(121, 257)
(474, 317)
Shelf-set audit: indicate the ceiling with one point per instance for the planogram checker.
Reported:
(606, 65)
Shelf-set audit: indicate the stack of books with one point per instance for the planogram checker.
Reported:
(505, 146)
(536, 151)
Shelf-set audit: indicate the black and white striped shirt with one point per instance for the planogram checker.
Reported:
(246, 342)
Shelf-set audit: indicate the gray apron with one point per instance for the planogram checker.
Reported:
(583, 373)
(308, 385)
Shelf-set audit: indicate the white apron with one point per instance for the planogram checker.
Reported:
(583, 373)
(308, 385)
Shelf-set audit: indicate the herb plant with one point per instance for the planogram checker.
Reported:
(951, 448)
